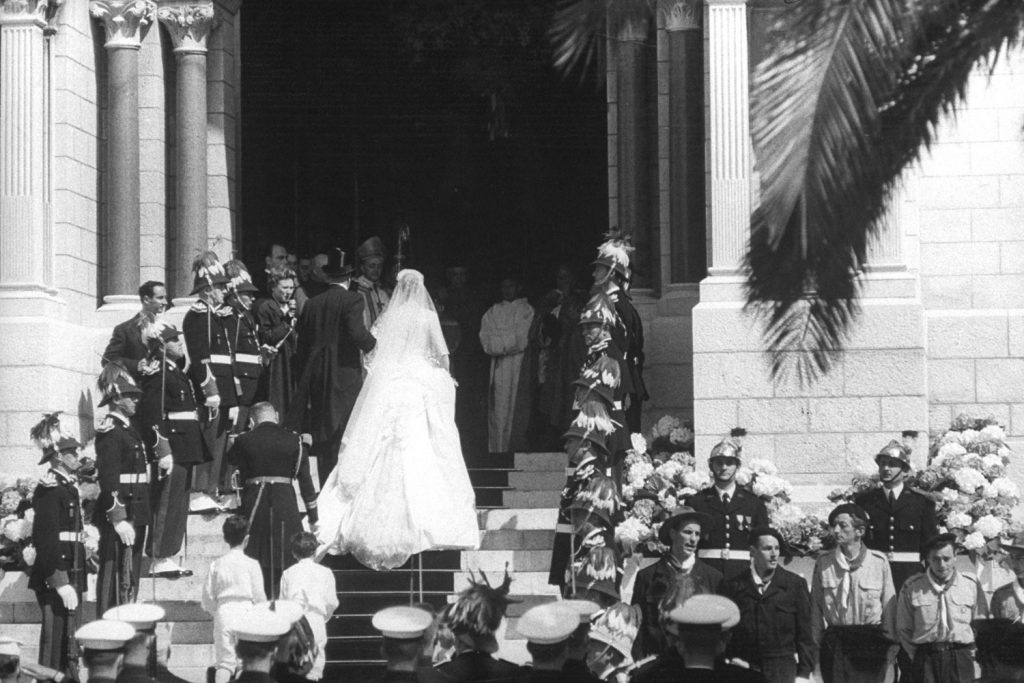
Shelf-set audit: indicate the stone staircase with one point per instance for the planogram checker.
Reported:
(517, 499)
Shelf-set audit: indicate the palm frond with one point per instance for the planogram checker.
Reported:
(580, 27)
(850, 92)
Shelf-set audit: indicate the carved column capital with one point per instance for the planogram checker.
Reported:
(42, 13)
(125, 21)
(188, 23)
(680, 15)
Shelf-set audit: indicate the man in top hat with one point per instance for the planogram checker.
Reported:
(126, 345)
(733, 510)
(139, 664)
(123, 503)
(169, 419)
(207, 329)
(1008, 600)
(576, 669)
(58, 575)
(902, 520)
(774, 633)
(331, 337)
(548, 630)
(402, 631)
(473, 619)
(258, 632)
(853, 604)
(246, 350)
(103, 645)
(611, 277)
(270, 459)
(934, 612)
(371, 268)
(681, 532)
(702, 626)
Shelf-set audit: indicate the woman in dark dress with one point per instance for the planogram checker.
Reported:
(276, 318)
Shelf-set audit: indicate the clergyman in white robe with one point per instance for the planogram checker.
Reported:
(504, 334)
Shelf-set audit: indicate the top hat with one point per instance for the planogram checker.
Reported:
(336, 266)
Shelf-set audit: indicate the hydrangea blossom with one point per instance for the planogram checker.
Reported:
(989, 526)
(992, 433)
(1006, 487)
(631, 532)
(974, 541)
(959, 520)
(639, 443)
(969, 480)
(697, 480)
(761, 466)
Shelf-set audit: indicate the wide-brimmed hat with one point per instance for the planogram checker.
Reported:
(50, 436)
(598, 440)
(336, 265)
(681, 515)
(851, 509)
(894, 450)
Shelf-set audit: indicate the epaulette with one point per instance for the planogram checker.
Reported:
(878, 553)
(224, 312)
(199, 306)
(107, 424)
(49, 479)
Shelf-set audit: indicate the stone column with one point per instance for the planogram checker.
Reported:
(26, 236)
(188, 23)
(126, 23)
(687, 208)
(634, 189)
(729, 134)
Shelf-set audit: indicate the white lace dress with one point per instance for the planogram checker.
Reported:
(400, 486)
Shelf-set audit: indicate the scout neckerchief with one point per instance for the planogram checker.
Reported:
(846, 567)
(945, 621)
(682, 566)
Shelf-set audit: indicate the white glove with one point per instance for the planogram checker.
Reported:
(213, 401)
(69, 597)
(306, 440)
(126, 531)
(165, 463)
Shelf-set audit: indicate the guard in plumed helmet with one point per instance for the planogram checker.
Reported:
(246, 352)
(902, 519)
(732, 509)
(611, 277)
(611, 641)
(473, 620)
(207, 327)
(58, 575)
(122, 509)
(168, 413)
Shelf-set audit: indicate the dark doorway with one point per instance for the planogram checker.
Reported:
(443, 115)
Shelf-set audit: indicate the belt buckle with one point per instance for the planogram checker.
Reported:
(891, 555)
(725, 553)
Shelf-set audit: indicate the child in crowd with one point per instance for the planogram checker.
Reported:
(234, 584)
(312, 586)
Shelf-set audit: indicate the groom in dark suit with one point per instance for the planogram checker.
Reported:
(331, 335)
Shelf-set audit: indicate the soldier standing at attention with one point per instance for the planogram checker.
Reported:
(733, 512)
(902, 520)
(170, 428)
(206, 327)
(123, 503)
(57, 576)
(246, 353)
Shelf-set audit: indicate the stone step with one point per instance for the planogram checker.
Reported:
(517, 539)
(538, 518)
(524, 582)
(542, 462)
(532, 499)
(537, 480)
(515, 560)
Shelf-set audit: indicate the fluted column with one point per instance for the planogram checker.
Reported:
(26, 235)
(729, 133)
(188, 23)
(126, 23)
(885, 249)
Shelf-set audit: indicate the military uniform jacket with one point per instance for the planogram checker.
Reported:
(56, 534)
(671, 667)
(168, 406)
(245, 345)
(651, 585)
(208, 340)
(630, 338)
(730, 525)
(901, 530)
(123, 473)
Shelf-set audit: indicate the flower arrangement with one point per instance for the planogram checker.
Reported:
(966, 476)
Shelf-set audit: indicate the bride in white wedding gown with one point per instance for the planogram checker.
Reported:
(400, 486)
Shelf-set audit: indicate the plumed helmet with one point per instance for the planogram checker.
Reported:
(207, 271)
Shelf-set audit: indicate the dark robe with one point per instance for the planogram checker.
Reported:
(277, 330)
(331, 335)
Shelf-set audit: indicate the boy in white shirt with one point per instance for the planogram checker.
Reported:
(234, 584)
(312, 586)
